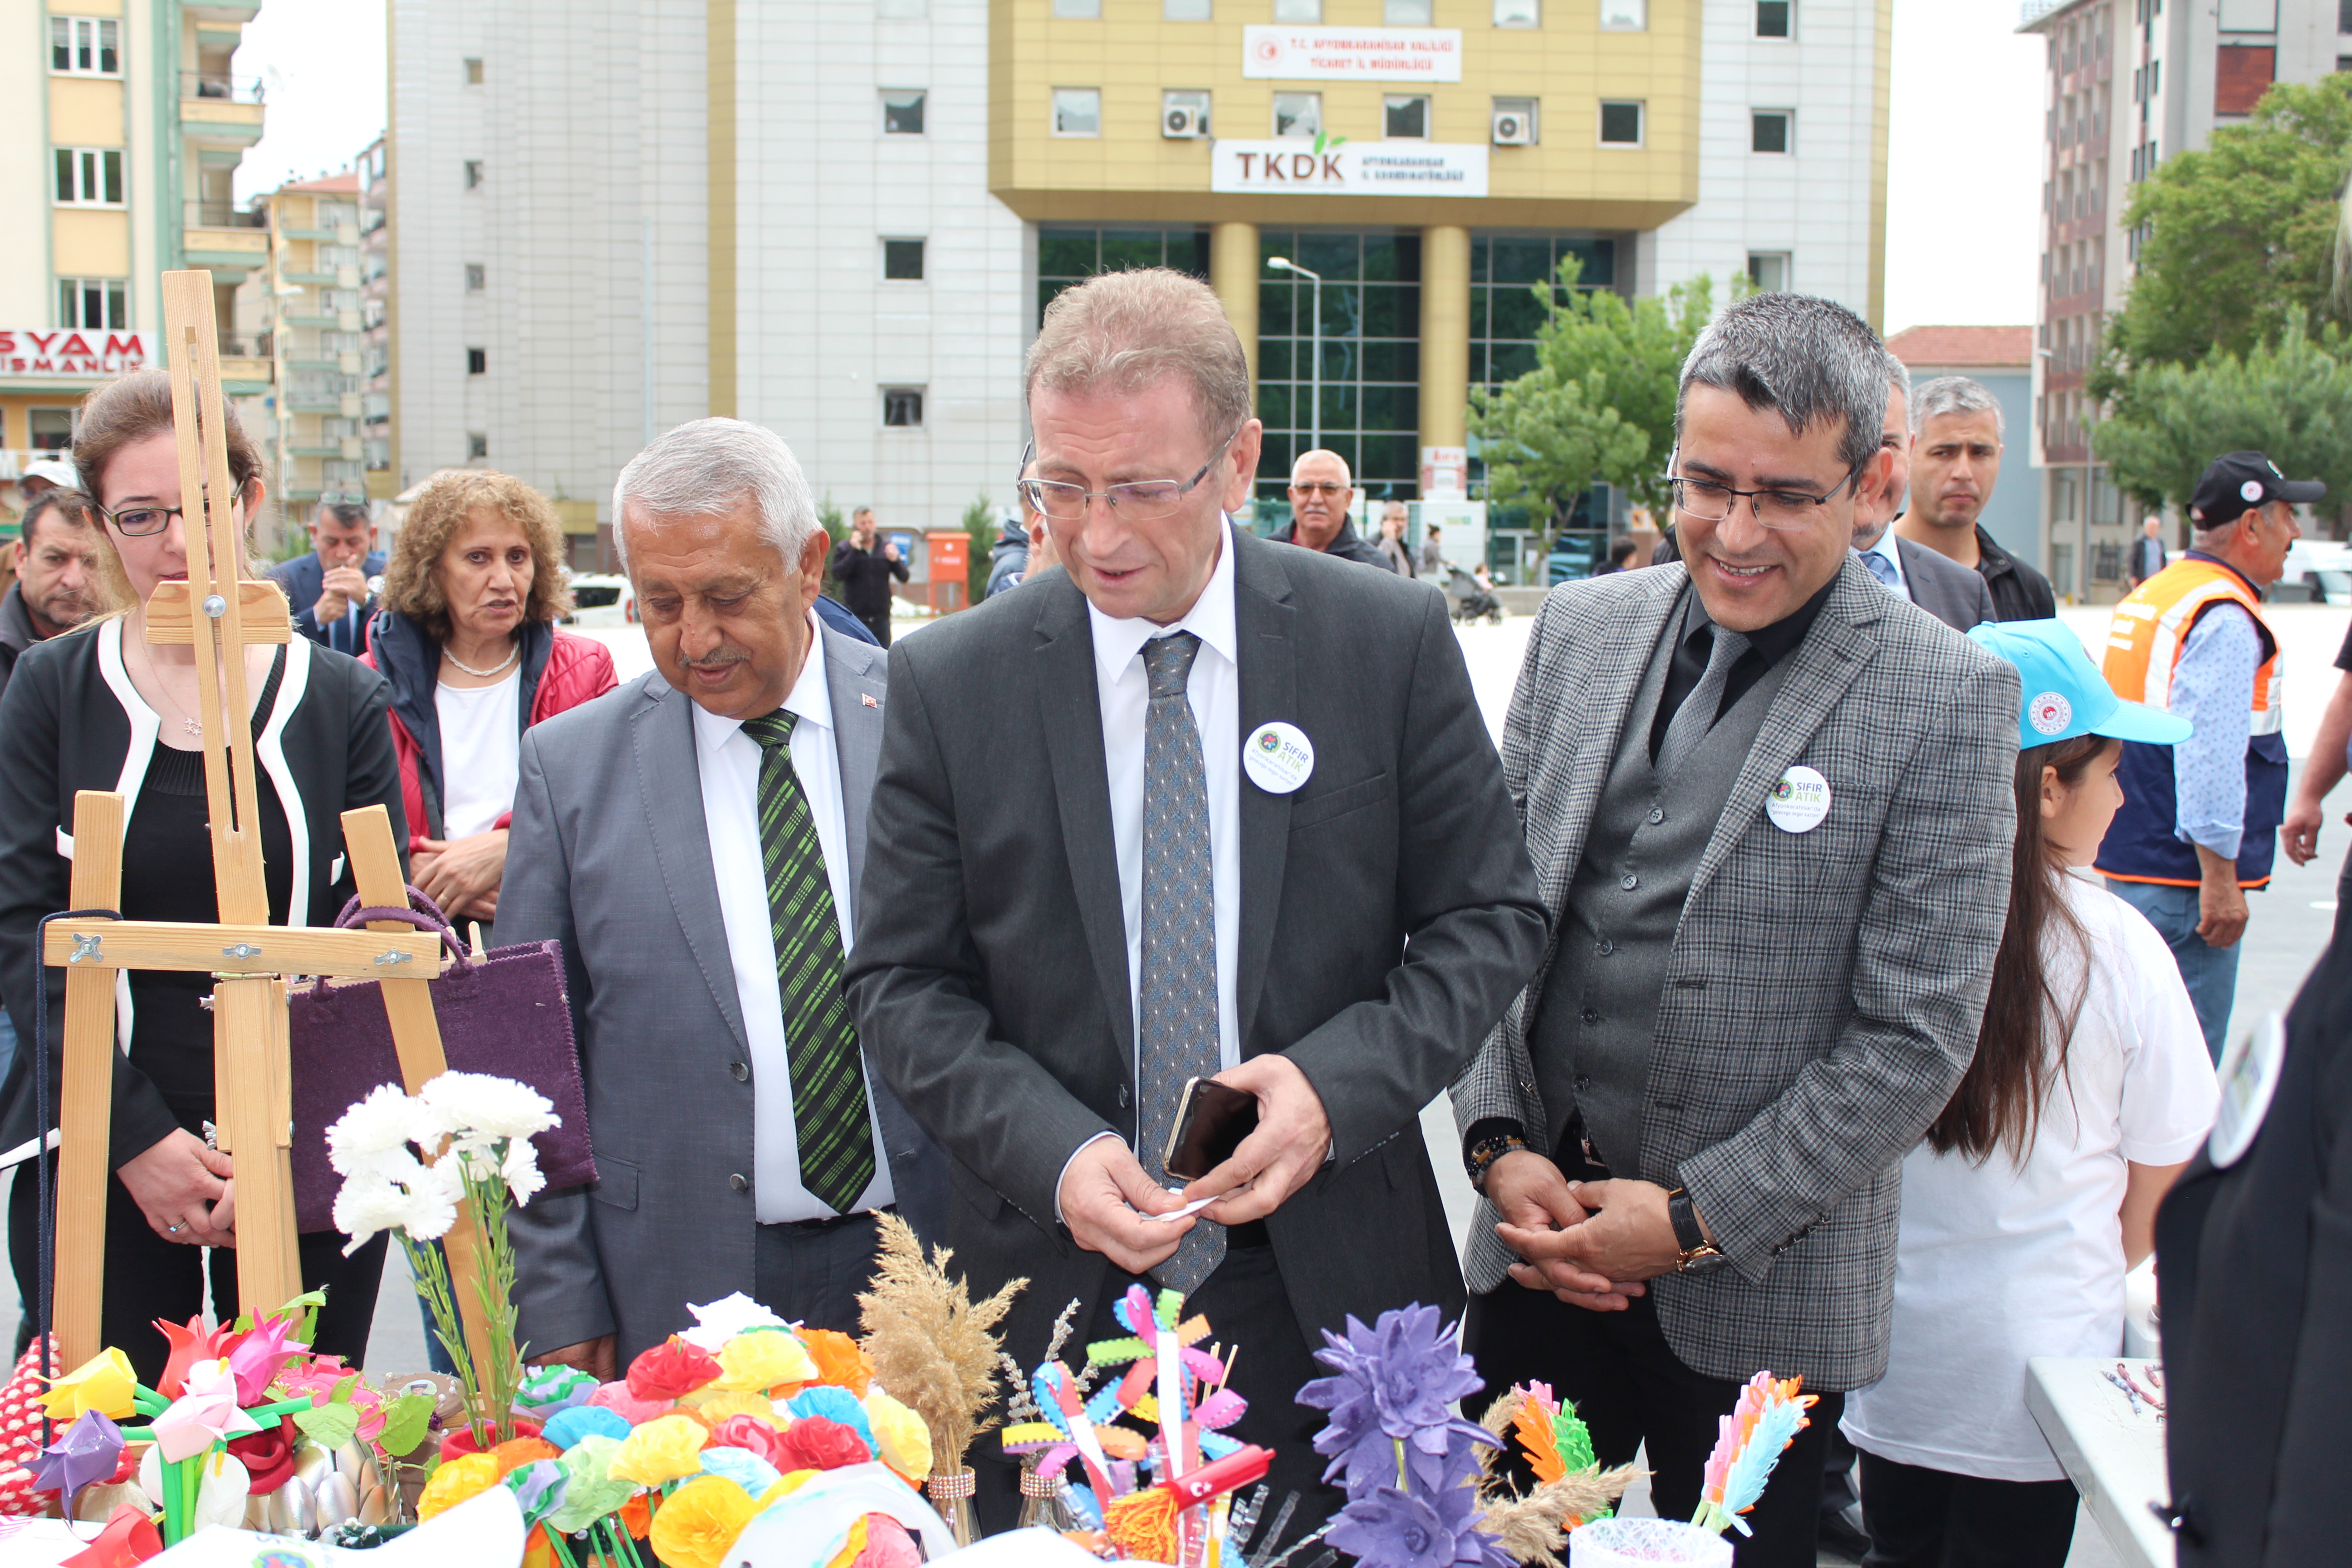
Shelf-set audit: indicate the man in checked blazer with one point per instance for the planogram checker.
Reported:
(1770, 808)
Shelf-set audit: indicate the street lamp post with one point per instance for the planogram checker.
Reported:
(1315, 406)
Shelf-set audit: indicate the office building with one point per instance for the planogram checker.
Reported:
(305, 310)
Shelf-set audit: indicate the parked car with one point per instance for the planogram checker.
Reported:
(2323, 567)
(602, 599)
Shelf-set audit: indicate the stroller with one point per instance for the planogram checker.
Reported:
(1471, 601)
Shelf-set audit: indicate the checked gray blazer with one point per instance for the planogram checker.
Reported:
(1825, 988)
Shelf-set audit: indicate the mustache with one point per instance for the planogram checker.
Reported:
(718, 660)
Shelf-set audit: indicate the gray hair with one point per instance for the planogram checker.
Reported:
(1125, 330)
(1955, 394)
(706, 467)
(1811, 361)
(1899, 376)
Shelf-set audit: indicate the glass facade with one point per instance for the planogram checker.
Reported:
(1371, 356)
(1504, 315)
(1070, 255)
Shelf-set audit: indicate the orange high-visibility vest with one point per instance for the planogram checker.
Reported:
(2145, 639)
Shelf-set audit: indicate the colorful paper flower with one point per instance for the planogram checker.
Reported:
(320, 1376)
(88, 1451)
(716, 1405)
(722, 1319)
(1388, 1529)
(902, 1440)
(591, 1490)
(670, 1369)
(130, 1538)
(660, 1451)
(840, 1360)
(268, 1456)
(753, 1473)
(698, 1522)
(545, 1390)
(1390, 1404)
(764, 1359)
(102, 1383)
(617, 1398)
(256, 1358)
(751, 1434)
(516, 1452)
(1748, 1443)
(583, 1421)
(468, 1476)
(815, 1443)
(538, 1489)
(832, 1405)
(205, 1412)
(189, 1345)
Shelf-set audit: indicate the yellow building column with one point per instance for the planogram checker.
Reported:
(1444, 335)
(1233, 273)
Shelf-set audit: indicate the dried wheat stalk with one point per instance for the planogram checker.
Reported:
(931, 1343)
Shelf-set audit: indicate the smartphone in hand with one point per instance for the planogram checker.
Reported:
(1210, 1122)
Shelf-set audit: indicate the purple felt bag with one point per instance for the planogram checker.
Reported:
(506, 1014)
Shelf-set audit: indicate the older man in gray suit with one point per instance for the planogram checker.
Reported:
(1770, 811)
(694, 839)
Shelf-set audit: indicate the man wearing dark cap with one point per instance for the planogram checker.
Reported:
(2199, 821)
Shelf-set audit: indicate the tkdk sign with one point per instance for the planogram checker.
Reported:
(1352, 169)
(1353, 54)
(64, 354)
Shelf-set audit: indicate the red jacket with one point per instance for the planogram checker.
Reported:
(559, 671)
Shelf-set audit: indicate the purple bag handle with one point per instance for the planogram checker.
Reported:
(423, 914)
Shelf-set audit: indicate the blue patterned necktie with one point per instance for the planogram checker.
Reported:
(1178, 988)
(835, 1131)
(1883, 568)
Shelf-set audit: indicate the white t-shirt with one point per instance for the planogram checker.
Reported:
(1997, 1263)
(482, 752)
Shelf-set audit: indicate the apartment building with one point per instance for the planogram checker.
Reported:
(121, 128)
(305, 310)
(843, 220)
(2131, 83)
(376, 320)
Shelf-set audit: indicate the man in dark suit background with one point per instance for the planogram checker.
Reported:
(328, 588)
(1946, 590)
(1078, 893)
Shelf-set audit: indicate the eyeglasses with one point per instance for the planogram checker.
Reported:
(1326, 490)
(1141, 501)
(139, 521)
(1704, 500)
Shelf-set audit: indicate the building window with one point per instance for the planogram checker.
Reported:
(1621, 125)
(1369, 411)
(98, 302)
(1518, 13)
(477, 447)
(1405, 12)
(1068, 257)
(1077, 111)
(901, 10)
(1505, 313)
(1310, 13)
(1774, 18)
(1767, 130)
(1184, 10)
(49, 430)
(473, 173)
(1767, 270)
(1624, 16)
(1515, 123)
(1184, 115)
(1405, 117)
(89, 176)
(478, 362)
(1297, 113)
(1078, 10)
(473, 71)
(902, 260)
(475, 276)
(902, 112)
(902, 407)
(86, 46)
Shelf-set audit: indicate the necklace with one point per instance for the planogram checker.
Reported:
(513, 653)
(188, 725)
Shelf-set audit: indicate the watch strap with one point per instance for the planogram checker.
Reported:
(1688, 1237)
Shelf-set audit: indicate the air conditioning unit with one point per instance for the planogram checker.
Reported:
(1182, 122)
(1514, 127)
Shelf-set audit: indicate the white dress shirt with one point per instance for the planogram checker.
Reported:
(729, 764)
(1886, 548)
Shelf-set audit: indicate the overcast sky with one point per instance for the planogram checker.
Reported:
(1964, 149)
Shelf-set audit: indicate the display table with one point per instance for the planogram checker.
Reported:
(2111, 1447)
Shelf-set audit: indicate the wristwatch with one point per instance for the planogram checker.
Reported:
(1699, 1255)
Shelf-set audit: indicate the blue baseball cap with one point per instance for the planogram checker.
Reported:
(2066, 695)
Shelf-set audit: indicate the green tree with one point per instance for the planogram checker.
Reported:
(980, 526)
(1599, 403)
(2237, 236)
(2290, 399)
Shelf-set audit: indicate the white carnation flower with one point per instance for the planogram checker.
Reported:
(432, 1199)
(520, 1171)
(479, 1107)
(365, 1205)
(382, 1125)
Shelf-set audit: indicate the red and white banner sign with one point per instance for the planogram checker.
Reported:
(69, 354)
(1353, 54)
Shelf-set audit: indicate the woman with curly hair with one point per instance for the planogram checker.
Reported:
(467, 637)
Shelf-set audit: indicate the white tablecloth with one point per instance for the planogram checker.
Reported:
(2113, 1451)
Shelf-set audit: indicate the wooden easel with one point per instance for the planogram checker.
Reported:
(248, 958)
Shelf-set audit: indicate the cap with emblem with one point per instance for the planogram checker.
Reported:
(51, 471)
(2236, 482)
(2066, 695)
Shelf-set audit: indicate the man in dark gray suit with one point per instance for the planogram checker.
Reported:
(329, 586)
(694, 840)
(1771, 815)
(1190, 804)
(1945, 589)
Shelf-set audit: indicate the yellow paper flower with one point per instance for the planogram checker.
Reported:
(697, 1524)
(760, 1361)
(899, 1433)
(786, 1485)
(102, 1383)
(852, 1548)
(661, 1450)
(456, 1481)
(715, 1404)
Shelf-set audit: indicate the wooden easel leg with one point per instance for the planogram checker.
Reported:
(86, 1095)
(248, 1024)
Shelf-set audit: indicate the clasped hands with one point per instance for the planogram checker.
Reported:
(1592, 1244)
(1108, 1201)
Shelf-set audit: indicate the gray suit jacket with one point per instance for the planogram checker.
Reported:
(609, 857)
(991, 974)
(1953, 594)
(1825, 988)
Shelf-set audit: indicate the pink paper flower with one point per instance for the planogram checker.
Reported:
(256, 1358)
(205, 1412)
(318, 1377)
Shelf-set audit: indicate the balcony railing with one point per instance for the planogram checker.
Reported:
(224, 214)
(224, 88)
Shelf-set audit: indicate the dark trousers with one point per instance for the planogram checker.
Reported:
(148, 1278)
(1630, 1388)
(879, 622)
(1247, 1307)
(1919, 1517)
(812, 1273)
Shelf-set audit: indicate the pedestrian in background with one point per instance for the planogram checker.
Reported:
(60, 583)
(1393, 553)
(2148, 557)
(1945, 589)
(863, 569)
(2036, 1190)
(1036, 551)
(1321, 491)
(328, 588)
(1955, 445)
(1432, 557)
(1619, 557)
(2197, 829)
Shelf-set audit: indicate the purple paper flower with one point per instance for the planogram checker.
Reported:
(539, 1488)
(1387, 1528)
(89, 1450)
(1391, 1422)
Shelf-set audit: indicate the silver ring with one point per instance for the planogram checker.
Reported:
(171, 1229)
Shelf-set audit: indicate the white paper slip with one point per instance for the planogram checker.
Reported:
(1172, 1215)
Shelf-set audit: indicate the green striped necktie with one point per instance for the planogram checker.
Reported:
(828, 1076)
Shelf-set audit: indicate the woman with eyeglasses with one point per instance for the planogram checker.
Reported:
(102, 708)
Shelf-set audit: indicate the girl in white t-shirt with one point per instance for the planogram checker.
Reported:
(2036, 1189)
